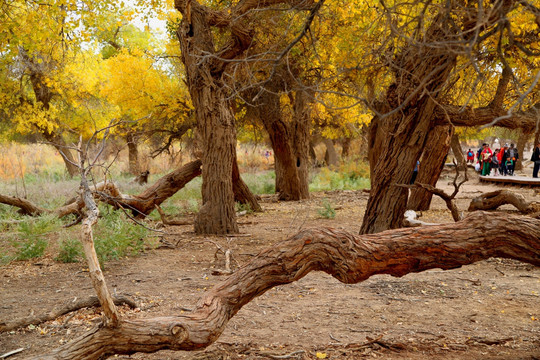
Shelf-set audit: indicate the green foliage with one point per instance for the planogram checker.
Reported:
(327, 211)
(261, 182)
(31, 241)
(70, 251)
(115, 236)
(353, 175)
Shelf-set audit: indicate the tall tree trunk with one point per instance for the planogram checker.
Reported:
(330, 156)
(60, 145)
(522, 140)
(288, 184)
(301, 135)
(458, 151)
(345, 147)
(215, 119)
(433, 158)
(133, 154)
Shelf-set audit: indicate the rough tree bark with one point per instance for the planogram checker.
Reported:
(455, 144)
(398, 138)
(133, 154)
(347, 257)
(301, 134)
(522, 140)
(433, 158)
(287, 139)
(268, 110)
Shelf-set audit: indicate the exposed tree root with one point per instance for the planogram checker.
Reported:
(492, 200)
(91, 301)
(349, 258)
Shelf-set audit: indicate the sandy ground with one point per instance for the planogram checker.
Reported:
(487, 310)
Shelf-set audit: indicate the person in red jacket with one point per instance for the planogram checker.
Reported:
(485, 159)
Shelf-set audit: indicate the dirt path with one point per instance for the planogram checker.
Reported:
(488, 310)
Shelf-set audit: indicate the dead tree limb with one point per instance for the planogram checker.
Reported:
(71, 306)
(448, 198)
(347, 257)
(492, 200)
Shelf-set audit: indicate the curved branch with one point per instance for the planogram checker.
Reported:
(349, 258)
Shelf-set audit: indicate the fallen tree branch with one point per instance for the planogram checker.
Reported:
(494, 199)
(108, 192)
(71, 306)
(347, 257)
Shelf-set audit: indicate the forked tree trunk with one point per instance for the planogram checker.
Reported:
(288, 184)
(133, 154)
(433, 157)
(215, 119)
(348, 258)
(401, 135)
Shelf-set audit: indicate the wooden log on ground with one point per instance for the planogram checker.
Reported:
(347, 257)
(494, 199)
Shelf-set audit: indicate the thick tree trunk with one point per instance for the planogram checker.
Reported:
(522, 140)
(301, 135)
(133, 154)
(433, 157)
(288, 184)
(215, 119)
(401, 134)
(348, 258)
(345, 147)
(458, 151)
(330, 157)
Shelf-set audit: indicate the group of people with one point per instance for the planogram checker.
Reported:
(500, 161)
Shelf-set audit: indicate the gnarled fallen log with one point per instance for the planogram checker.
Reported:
(349, 258)
(492, 200)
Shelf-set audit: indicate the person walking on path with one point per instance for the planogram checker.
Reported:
(470, 157)
(495, 162)
(503, 156)
(536, 160)
(485, 158)
(514, 156)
